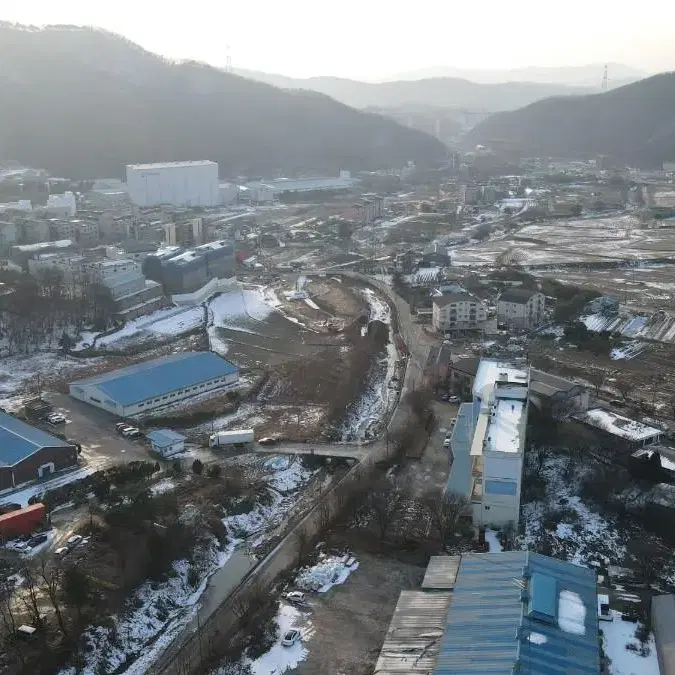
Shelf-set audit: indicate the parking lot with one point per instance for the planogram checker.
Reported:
(94, 430)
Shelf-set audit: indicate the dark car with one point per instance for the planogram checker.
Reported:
(37, 540)
(267, 441)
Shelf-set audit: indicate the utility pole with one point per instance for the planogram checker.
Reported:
(604, 79)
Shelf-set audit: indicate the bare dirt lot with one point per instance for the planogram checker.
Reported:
(350, 621)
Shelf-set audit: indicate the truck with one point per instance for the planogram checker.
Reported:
(234, 437)
(22, 521)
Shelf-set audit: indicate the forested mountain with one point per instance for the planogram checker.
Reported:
(634, 124)
(82, 102)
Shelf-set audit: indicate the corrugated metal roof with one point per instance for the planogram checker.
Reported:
(488, 630)
(163, 438)
(159, 377)
(19, 440)
(441, 572)
(459, 480)
(414, 634)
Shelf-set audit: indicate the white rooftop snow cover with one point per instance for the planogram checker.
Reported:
(571, 613)
(489, 372)
(620, 426)
(504, 431)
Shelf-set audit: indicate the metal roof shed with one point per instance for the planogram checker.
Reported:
(166, 442)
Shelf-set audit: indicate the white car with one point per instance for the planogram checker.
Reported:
(297, 597)
(56, 418)
(290, 638)
(73, 541)
(446, 443)
(61, 551)
(130, 432)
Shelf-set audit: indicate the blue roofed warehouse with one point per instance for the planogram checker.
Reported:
(162, 382)
(27, 453)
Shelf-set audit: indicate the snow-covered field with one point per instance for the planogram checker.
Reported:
(18, 373)
(160, 324)
(616, 635)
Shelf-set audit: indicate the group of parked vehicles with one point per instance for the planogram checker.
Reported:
(127, 430)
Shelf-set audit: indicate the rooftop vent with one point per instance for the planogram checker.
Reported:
(542, 601)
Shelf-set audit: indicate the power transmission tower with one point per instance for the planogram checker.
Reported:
(604, 79)
(228, 61)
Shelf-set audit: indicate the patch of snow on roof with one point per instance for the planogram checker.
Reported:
(537, 638)
(620, 426)
(571, 613)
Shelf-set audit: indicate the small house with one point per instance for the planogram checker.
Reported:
(166, 442)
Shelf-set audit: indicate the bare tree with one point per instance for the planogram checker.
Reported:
(385, 503)
(625, 386)
(30, 598)
(324, 516)
(446, 511)
(52, 584)
(597, 379)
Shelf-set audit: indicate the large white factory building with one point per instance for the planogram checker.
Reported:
(175, 183)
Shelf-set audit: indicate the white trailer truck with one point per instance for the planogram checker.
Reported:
(234, 437)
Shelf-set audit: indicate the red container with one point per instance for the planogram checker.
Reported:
(23, 521)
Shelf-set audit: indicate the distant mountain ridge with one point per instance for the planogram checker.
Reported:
(82, 102)
(438, 91)
(634, 124)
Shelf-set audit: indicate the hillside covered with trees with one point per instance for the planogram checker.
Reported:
(633, 124)
(81, 102)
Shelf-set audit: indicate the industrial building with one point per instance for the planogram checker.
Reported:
(27, 453)
(488, 442)
(145, 387)
(185, 271)
(174, 183)
(507, 612)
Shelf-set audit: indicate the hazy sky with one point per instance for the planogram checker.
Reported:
(376, 38)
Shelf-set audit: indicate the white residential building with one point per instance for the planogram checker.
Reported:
(456, 312)
(488, 443)
(174, 183)
(20, 205)
(521, 308)
(62, 205)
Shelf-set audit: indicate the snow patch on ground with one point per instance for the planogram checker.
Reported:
(162, 323)
(290, 478)
(615, 636)
(328, 572)
(162, 486)
(492, 541)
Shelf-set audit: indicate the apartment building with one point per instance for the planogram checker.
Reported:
(521, 308)
(488, 442)
(456, 312)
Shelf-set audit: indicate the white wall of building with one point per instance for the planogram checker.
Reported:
(175, 183)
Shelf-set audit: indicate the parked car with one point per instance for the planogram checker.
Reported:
(267, 441)
(121, 425)
(297, 597)
(130, 432)
(61, 551)
(56, 418)
(37, 540)
(446, 443)
(73, 541)
(290, 638)
(453, 399)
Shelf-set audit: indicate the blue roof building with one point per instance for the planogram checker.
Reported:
(496, 614)
(159, 383)
(520, 612)
(166, 442)
(27, 453)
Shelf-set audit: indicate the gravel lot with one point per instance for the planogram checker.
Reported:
(350, 621)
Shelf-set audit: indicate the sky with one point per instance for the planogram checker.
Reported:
(375, 39)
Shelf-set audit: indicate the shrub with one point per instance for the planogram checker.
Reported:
(197, 467)
(214, 471)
